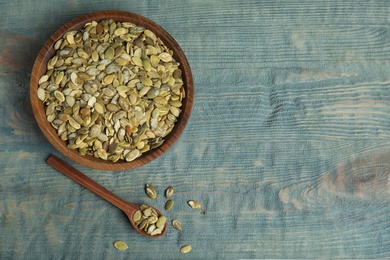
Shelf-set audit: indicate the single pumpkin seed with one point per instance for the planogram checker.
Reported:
(59, 96)
(143, 224)
(157, 231)
(121, 31)
(151, 228)
(194, 204)
(59, 77)
(120, 245)
(99, 108)
(43, 79)
(166, 57)
(41, 93)
(161, 221)
(169, 204)
(185, 249)
(131, 156)
(109, 53)
(137, 61)
(152, 219)
(169, 192)
(177, 225)
(147, 212)
(143, 207)
(150, 191)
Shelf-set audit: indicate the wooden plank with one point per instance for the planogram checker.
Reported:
(286, 147)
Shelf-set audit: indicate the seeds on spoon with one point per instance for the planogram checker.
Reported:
(148, 220)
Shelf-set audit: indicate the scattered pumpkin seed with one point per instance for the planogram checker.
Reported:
(120, 245)
(150, 191)
(194, 204)
(169, 192)
(169, 204)
(177, 225)
(185, 249)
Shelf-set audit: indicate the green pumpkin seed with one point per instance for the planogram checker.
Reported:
(161, 221)
(169, 192)
(150, 191)
(169, 205)
(194, 204)
(177, 225)
(185, 249)
(120, 245)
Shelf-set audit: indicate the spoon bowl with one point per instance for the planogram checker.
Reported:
(128, 208)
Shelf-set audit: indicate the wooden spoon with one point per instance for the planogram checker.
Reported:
(128, 208)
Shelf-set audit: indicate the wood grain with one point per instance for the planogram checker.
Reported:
(287, 147)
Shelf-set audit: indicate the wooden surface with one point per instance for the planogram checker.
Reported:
(287, 146)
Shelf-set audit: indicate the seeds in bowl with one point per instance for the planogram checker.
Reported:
(112, 90)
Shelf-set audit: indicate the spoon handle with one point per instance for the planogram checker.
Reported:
(88, 183)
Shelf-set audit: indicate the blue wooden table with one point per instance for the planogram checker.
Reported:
(287, 148)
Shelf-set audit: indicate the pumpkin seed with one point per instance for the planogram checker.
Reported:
(177, 225)
(143, 224)
(169, 192)
(166, 57)
(161, 221)
(194, 204)
(169, 205)
(120, 245)
(132, 155)
(150, 191)
(185, 249)
(157, 231)
(43, 79)
(41, 94)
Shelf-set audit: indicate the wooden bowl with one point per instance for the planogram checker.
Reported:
(50, 133)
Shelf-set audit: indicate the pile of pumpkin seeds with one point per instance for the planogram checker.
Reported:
(112, 90)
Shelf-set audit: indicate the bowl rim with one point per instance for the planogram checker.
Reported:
(47, 51)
